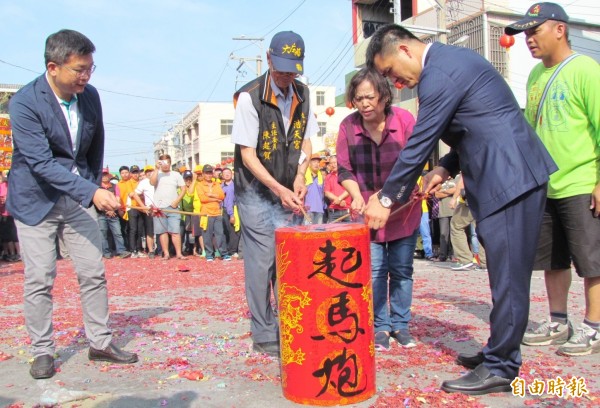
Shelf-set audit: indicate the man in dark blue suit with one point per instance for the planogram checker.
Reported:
(465, 102)
(58, 138)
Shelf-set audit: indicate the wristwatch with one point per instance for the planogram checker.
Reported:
(386, 202)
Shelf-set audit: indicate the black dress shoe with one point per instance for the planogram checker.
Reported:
(42, 367)
(478, 382)
(470, 362)
(112, 354)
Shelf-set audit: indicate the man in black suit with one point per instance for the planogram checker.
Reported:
(465, 102)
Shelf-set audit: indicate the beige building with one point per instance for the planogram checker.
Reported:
(203, 136)
(475, 24)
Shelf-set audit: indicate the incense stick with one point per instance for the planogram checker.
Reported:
(343, 217)
(305, 215)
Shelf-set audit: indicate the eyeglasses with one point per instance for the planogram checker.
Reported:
(287, 74)
(80, 73)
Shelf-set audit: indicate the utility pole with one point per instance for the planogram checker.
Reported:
(441, 31)
(441, 20)
(441, 11)
(179, 130)
(396, 11)
(243, 60)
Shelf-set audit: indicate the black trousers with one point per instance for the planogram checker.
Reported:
(136, 230)
(510, 238)
(232, 237)
(214, 228)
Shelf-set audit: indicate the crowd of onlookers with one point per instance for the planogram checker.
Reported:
(447, 227)
(199, 225)
(129, 231)
(8, 230)
(209, 227)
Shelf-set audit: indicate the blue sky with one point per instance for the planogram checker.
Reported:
(159, 56)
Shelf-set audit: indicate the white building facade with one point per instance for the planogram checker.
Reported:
(475, 24)
(203, 136)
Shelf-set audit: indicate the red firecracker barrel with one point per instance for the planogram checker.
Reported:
(326, 313)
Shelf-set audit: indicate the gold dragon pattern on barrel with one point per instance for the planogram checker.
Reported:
(367, 296)
(291, 301)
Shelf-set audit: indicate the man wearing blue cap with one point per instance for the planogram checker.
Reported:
(563, 106)
(271, 131)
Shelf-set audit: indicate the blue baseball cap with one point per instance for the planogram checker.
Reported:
(287, 52)
(537, 14)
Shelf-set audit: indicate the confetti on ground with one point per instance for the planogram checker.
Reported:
(191, 331)
(191, 375)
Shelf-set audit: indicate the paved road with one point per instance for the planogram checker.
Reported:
(197, 321)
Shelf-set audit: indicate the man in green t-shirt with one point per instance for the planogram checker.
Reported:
(567, 119)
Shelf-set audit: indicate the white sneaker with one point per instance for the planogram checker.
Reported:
(463, 267)
(548, 333)
(585, 341)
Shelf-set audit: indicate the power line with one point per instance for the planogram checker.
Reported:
(515, 11)
(147, 97)
(151, 119)
(130, 127)
(349, 47)
(269, 31)
(286, 18)
(218, 79)
(20, 67)
(110, 155)
(102, 89)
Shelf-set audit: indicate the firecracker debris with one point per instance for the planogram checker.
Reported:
(188, 321)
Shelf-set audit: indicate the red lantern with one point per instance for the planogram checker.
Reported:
(330, 111)
(223, 162)
(398, 85)
(507, 41)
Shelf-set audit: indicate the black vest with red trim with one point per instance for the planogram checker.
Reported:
(277, 151)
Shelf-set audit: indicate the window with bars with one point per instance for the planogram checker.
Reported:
(470, 34)
(320, 98)
(322, 128)
(226, 127)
